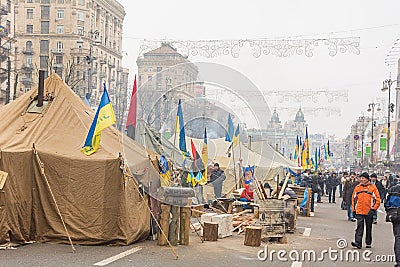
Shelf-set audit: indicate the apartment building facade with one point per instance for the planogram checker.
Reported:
(81, 40)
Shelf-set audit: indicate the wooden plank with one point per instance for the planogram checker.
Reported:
(184, 226)
(164, 223)
(174, 226)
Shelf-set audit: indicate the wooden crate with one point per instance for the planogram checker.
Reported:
(290, 215)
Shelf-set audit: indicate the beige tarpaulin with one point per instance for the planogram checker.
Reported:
(98, 205)
(268, 163)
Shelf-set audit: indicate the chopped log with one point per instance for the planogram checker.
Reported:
(252, 236)
(174, 226)
(184, 226)
(164, 223)
(210, 231)
(230, 207)
(309, 202)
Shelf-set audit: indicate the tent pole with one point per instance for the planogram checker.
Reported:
(41, 166)
(234, 163)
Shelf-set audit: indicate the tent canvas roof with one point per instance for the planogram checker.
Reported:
(97, 203)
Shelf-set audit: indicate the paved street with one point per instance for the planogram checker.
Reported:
(317, 233)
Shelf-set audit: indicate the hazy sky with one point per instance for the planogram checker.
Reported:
(377, 23)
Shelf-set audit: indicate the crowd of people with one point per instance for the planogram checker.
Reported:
(361, 194)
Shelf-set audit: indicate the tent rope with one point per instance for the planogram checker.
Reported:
(127, 173)
(41, 167)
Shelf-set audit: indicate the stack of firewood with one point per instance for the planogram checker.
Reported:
(243, 219)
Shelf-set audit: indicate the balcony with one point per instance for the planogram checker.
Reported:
(27, 67)
(111, 64)
(103, 61)
(57, 51)
(27, 81)
(119, 69)
(27, 52)
(102, 74)
(58, 66)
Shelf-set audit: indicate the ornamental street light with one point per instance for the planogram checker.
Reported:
(371, 108)
(387, 84)
(93, 38)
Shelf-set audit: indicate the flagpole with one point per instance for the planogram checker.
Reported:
(234, 163)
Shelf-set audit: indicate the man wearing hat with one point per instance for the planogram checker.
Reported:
(365, 202)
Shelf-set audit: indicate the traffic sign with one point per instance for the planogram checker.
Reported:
(356, 137)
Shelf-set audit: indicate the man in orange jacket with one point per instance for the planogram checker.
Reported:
(365, 202)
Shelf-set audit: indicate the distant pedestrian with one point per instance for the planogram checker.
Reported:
(392, 206)
(217, 178)
(381, 191)
(348, 189)
(365, 201)
(331, 183)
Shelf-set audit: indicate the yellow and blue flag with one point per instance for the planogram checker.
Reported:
(204, 158)
(180, 128)
(235, 140)
(104, 118)
(229, 133)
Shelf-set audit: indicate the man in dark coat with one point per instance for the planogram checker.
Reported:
(331, 184)
(381, 190)
(217, 177)
(392, 203)
(347, 193)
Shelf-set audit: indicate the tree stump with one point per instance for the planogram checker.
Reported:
(174, 226)
(252, 236)
(164, 223)
(184, 226)
(210, 231)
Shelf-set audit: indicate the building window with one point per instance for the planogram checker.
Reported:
(81, 16)
(44, 12)
(29, 1)
(60, 13)
(28, 46)
(44, 27)
(28, 61)
(29, 28)
(149, 78)
(44, 46)
(45, 1)
(60, 29)
(61, 1)
(81, 30)
(59, 59)
(29, 13)
(44, 62)
(60, 46)
(81, 2)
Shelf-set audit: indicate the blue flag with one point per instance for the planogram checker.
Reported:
(180, 128)
(229, 133)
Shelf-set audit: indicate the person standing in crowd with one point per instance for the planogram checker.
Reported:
(217, 178)
(340, 176)
(320, 187)
(381, 189)
(365, 202)
(348, 189)
(385, 184)
(331, 184)
(392, 205)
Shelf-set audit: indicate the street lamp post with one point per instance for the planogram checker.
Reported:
(371, 108)
(387, 84)
(362, 120)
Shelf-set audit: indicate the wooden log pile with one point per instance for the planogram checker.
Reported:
(243, 219)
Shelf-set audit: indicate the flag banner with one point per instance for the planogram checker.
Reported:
(359, 154)
(164, 171)
(180, 128)
(204, 158)
(368, 150)
(382, 143)
(235, 140)
(229, 132)
(197, 167)
(104, 118)
(131, 120)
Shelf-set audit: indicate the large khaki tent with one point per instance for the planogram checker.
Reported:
(98, 205)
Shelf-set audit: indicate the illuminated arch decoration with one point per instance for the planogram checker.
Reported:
(259, 47)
